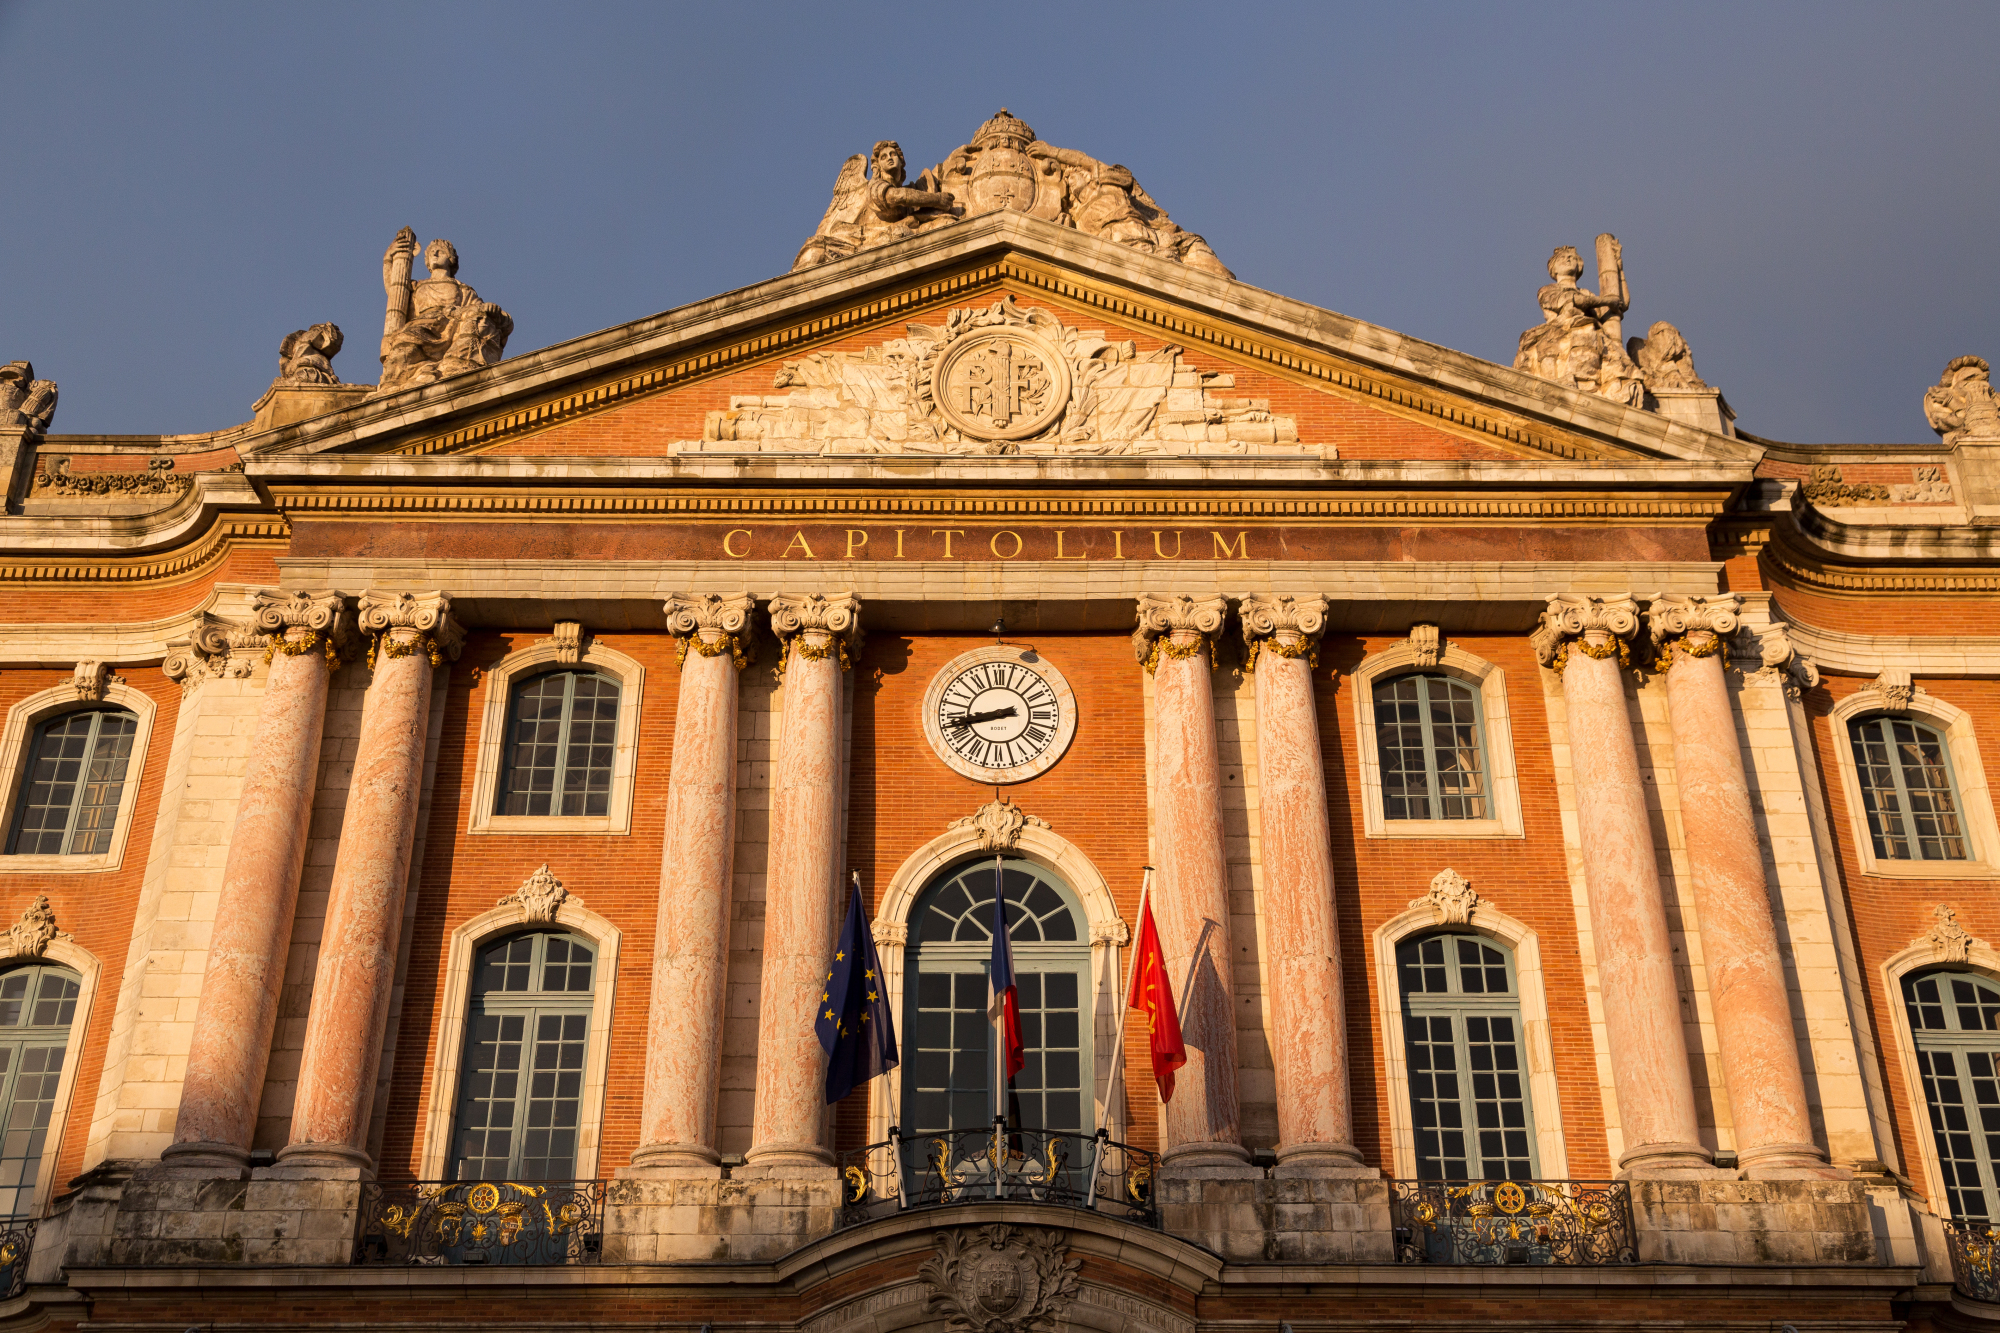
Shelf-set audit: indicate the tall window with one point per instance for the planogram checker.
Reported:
(1461, 1033)
(37, 1004)
(75, 780)
(1954, 1017)
(948, 1073)
(1907, 790)
(1427, 736)
(521, 1082)
(561, 732)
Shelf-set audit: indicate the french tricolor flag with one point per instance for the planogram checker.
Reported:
(1005, 1007)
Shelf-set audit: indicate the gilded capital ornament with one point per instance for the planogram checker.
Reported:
(822, 626)
(1286, 626)
(1599, 626)
(1694, 626)
(713, 623)
(1177, 626)
(296, 623)
(401, 623)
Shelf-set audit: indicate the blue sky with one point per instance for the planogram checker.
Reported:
(1811, 192)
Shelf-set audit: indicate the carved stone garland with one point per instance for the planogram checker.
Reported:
(1284, 626)
(1176, 626)
(713, 624)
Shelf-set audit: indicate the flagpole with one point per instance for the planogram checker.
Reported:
(1118, 1046)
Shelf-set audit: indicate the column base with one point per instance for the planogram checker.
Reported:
(1208, 1161)
(786, 1161)
(1788, 1161)
(1671, 1161)
(672, 1161)
(318, 1161)
(198, 1161)
(1322, 1161)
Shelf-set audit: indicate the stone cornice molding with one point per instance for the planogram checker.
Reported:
(1284, 625)
(400, 623)
(31, 936)
(1601, 625)
(715, 623)
(1177, 626)
(821, 625)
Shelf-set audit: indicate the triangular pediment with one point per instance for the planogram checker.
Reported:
(1004, 334)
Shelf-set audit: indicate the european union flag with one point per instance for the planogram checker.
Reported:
(853, 1020)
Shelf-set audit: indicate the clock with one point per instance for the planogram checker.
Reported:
(1000, 714)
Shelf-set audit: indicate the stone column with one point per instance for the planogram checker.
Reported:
(1315, 1126)
(412, 635)
(818, 636)
(238, 1008)
(1584, 639)
(1175, 641)
(1739, 941)
(691, 940)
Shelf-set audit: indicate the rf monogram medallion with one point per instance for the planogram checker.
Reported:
(1001, 386)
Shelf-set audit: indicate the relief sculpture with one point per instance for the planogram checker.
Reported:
(999, 380)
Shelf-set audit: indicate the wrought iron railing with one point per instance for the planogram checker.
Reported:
(17, 1242)
(1974, 1248)
(482, 1222)
(944, 1167)
(1575, 1223)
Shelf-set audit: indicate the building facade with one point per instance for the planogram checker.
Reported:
(433, 804)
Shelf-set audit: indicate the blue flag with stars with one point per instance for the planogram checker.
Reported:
(853, 1020)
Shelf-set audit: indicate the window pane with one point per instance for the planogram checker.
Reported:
(1904, 772)
(37, 1004)
(1399, 746)
(75, 779)
(1454, 717)
(593, 735)
(1468, 1085)
(534, 735)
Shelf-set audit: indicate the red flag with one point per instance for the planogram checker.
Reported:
(1153, 994)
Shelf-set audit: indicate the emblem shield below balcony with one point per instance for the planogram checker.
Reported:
(1002, 1279)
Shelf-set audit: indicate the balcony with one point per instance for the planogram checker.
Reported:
(434, 1222)
(1564, 1223)
(936, 1170)
(17, 1242)
(1973, 1246)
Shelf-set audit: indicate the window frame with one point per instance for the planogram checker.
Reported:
(1968, 772)
(511, 745)
(1899, 777)
(16, 743)
(1489, 686)
(10, 1077)
(1460, 1006)
(501, 681)
(1434, 796)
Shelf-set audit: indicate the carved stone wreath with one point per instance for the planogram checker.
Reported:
(1004, 1281)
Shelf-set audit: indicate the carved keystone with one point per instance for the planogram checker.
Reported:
(998, 825)
(541, 895)
(90, 679)
(31, 936)
(1452, 901)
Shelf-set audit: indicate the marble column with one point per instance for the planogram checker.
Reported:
(691, 939)
(238, 1009)
(1302, 967)
(1584, 638)
(1175, 640)
(818, 636)
(1739, 940)
(413, 634)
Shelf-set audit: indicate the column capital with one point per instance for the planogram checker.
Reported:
(824, 626)
(1287, 626)
(1602, 625)
(295, 623)
(1177, 625)
(214, 646)
(714, 623)
(409, 622)
(1695, 626)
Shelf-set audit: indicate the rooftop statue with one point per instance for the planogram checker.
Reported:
(436, 328)
(1578, 344)
(1664, 359)
(1961, 403)
(25, 400)
(1005, 166)
(306, 356)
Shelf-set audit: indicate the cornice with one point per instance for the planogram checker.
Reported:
(1811, 551)
(228, 532)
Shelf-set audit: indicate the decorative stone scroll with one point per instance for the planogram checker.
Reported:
(1600, 626)
(715, 624)
(824, 626)
(1961, 404)
(1930, 487)
(1949, 942)
(214, 649)
(1004, 167)
(1000, 380)
(998, 825)
(1177, 626)
(568, 636)
(438, 327)
(1896, 689)
(31, 936)
(1007, 1280)
(398, 624)
(1694, 626)
(1780, 659)
(1825, 485)
(296, 623)
(1452, 901)
(26, 403)
(90, 678)
(159, 478)
(540, 896)
(1286, 626)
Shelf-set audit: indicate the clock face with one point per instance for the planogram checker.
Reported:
(1000, 714)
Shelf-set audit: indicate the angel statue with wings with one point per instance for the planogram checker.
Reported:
(870, 210)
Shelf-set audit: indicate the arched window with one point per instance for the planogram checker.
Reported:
(521, 1082)
(1428, 742)
(948, 1073)
(1462, 1035)
(74, 781)
(37, 1004)
(1907, 790)
(562, 731)
(1955, 1021)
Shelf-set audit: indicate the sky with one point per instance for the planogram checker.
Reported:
(1811, 192)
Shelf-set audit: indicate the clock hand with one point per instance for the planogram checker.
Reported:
(971, 718)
